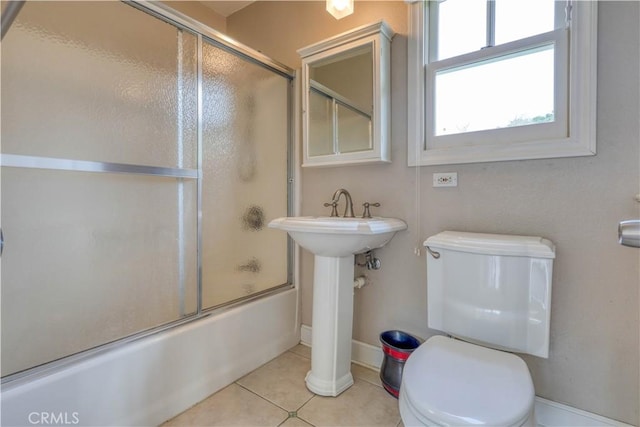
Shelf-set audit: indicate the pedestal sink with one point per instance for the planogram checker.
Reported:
(334, 241)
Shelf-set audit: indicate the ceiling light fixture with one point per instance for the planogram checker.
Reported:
(340, 8)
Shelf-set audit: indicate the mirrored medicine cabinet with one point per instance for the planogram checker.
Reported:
(346, 98)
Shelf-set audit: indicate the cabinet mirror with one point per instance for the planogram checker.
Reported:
(346, 98)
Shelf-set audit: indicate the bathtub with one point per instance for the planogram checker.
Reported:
(155, 378)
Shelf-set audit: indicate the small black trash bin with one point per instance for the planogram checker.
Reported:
(397, 346)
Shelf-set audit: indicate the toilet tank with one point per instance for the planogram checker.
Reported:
(494, 290)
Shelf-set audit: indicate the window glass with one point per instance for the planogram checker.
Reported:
(461, 27)
(517, 19)
(512, 90)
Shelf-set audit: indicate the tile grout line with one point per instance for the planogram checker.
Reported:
(308, 400)
(263, 398)
(294, 414)
(359, 378)
(361, 365)
(302, 406)
(289, 413)
(298, 354)
(278, 406)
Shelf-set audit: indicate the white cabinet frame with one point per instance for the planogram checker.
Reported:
(379, 36)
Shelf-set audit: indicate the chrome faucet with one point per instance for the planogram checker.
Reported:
(348, 209)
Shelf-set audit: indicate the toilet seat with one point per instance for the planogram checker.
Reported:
(452, 382)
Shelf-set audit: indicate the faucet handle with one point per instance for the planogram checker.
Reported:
(334, 208)
(366, 213)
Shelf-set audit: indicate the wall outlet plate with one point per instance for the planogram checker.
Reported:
(445, 179)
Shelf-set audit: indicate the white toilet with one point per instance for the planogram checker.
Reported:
(491, 294)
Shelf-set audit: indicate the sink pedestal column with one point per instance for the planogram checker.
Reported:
(334, 240)
(330, 372)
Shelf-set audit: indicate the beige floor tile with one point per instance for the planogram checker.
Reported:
(363, 404)
(281, 381)
(231, 406)
(358, 371)
(295, 422)
(302, 350)
(367, 374)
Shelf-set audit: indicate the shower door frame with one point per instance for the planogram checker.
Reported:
(202, 33)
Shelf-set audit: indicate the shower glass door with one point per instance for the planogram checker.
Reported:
(244, 162)
(119, 132)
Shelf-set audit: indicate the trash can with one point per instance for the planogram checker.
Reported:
(397, 347)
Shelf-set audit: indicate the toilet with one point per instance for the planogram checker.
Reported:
(491, 295)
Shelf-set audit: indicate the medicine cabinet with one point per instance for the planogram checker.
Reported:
(346, 98)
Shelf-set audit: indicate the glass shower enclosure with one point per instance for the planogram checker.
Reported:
(141, 160)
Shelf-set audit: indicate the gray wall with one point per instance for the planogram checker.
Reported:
(575, 202)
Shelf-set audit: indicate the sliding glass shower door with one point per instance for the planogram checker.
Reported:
(244, 163)
(128, 144)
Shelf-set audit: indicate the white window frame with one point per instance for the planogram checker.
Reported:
(578, 131)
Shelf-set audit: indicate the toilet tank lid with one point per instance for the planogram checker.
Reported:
(492, 244)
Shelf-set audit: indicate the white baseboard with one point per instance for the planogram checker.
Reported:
(305, 335)
(548, 413)
(361, 353)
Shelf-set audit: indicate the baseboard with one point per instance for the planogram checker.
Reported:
(548, 413)
(361, 353)
(305, 335)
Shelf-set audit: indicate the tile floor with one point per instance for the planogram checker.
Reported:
(275, 395)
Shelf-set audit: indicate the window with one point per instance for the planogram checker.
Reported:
(501, 80)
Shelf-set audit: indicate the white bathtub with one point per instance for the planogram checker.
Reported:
(153, 379)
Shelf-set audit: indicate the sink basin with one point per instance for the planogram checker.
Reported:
(337, 236)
